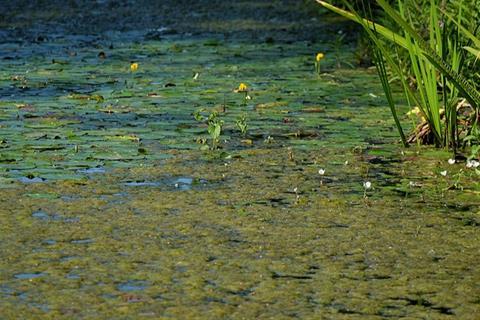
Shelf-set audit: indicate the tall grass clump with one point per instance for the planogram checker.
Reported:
(431, 48)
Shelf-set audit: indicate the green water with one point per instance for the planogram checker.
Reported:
(111, 208)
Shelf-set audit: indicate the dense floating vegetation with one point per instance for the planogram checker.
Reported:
(203, 177)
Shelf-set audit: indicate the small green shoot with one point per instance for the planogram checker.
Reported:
(215, 126)
(242, 125)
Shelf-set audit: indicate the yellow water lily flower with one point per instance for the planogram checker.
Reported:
(134, 67)
(242, 87)
(414, 111)
(319, 56)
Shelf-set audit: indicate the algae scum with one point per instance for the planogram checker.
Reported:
(113, 208)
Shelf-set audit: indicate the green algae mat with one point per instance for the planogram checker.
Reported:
(116, 206)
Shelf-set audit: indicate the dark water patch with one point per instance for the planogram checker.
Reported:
(427, 304)
(336, 225)
(46, 217)
(343, 309)
(72, 276)
(133, 285)
(31, 179)
(461, 207)
(392, 311)
(49, 242)
(171, 183)
(68, 258)
(142, 184)
(28, 276)
(41, 215)
(277, 275)
(470, 222)
(275, 202)
(116, 198)
(71, 219)
(94, 170)
(82, 241)
(214, 300)
(378, 277)
(241, 293)
(6, 290)
(381, 160)
(70, 198)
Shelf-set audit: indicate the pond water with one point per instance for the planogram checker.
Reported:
(113, 206)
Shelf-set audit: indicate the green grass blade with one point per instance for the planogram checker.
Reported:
(387, 33)
(464, 30)
(475, 52)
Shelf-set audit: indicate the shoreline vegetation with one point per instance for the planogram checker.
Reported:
(436, 66)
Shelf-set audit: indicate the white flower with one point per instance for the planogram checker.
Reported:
(295, 189)
(472, 164)
(321, 172)
(176, 185)
(346, 162)
(414, 184)
(367, 185)
(451, 161)
(443, 173)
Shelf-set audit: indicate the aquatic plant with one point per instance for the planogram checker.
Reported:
(321, 172)
(367, 185)
(269, 140)
(197, 115)
(472, 164)
(242, 124)
(318, 58)
(243, 88)
(432, 74)
(215, 126)
(134, 67)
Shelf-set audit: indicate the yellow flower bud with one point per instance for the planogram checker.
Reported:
(319, 56)
(242, 87)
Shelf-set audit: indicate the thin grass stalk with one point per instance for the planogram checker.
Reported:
(450, 111)
(450, 98)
